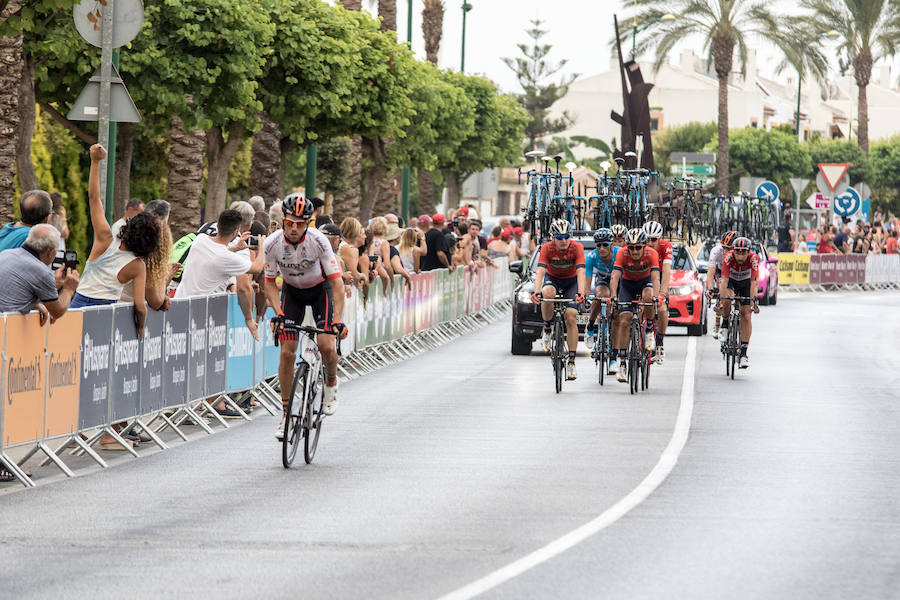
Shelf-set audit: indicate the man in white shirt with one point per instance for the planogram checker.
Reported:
(132, 207)
(213, 262)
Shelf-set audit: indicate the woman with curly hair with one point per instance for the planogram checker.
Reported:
(115, 261)
(159, 272)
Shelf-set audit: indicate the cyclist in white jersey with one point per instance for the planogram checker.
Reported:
(311, 277)
(713, 271)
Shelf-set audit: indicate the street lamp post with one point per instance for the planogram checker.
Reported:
(466, 7)
(635, 29)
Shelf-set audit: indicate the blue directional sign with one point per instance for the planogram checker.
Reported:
(847, 203)
(767, 190)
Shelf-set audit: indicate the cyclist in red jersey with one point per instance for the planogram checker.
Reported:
(637, 270)
(561, 260)
(740, 272)
(663, 249)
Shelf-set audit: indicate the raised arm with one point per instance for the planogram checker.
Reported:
(102, 231)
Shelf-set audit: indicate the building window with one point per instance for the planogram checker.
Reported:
(656, 121)
(806, 134)
(754, 123)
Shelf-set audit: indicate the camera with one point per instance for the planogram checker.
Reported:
(253, 241)
(71, 259)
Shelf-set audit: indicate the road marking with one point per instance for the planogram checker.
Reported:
(618, 510)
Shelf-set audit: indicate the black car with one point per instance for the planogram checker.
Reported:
(526, 315)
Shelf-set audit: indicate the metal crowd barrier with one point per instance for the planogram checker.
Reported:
(824, 272)
(69, 383)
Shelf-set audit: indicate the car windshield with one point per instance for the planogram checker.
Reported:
(681, 259)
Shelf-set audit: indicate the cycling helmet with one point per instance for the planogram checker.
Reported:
(296, 205)
(618, 230)
(560, 227)
(636, 237)
(742, 243)
(653, 229)
(603, 235)
(728, 238)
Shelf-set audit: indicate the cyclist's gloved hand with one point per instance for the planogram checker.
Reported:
(755, 306)
(579, 298)
(712, 293)
(340, 330)
(536, 298)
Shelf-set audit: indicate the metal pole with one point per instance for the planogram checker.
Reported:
(103, 128)
(466, 7)
(312, 156)
(799, 83)
(111, 156)
(404, 187)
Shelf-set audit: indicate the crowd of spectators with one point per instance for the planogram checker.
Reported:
(879, 236)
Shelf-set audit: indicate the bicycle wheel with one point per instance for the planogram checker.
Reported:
(634, 358)
(312, 426)
(734, 328)
(602, 347)
(559, 365)
(293, 426)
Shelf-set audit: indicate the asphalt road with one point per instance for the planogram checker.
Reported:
(447, 468)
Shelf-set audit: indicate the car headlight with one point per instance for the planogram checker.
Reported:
(680, 290)
(524, 294)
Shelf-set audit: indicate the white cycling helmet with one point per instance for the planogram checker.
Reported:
(618, 230)
(653, 229)
(636, 237)
(560, 227)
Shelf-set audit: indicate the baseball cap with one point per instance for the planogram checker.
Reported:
(464, 211)
(330, 229)
(424, 220)
(506, 233)
(518, 231)
(438, 219)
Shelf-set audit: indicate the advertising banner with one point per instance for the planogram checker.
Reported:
(271, 352)
(828, 274)
(196, 373)
(96, 360)
(175, 353)
(216, 344)
(841, 263)
(63, 379)
(126, 359)
(239, 361)
(23, 386)
(786, 263)
(152, 363)
(815, 269)
(801, 269)
(859, 261)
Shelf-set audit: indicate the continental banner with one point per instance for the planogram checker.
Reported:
(25, 374)
(63, 375)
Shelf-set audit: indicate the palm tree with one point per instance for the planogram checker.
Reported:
(347, 202)
(432, 30)
(379, 178)
(12, 61)
(869, 30)
(724, 26)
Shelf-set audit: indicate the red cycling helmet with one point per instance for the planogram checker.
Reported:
(728, 238)
(742, 244)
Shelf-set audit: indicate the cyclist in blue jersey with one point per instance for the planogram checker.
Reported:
(598, 269)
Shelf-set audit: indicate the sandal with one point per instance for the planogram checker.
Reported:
(7, 476)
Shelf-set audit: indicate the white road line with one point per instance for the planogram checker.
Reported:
(653, 480)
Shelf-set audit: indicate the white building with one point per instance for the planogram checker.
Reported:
(688, 91)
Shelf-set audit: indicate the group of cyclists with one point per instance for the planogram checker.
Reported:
(628, 265)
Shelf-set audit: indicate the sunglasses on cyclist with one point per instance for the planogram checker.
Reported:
(741, 251)
(604, 244)
(563, 236)
(633, 248)
(652, 239)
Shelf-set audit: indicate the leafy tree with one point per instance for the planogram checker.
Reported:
(775, 155)
(869, 29)
(724, 26)
(842, 151)
(885, 156)
(432, 31)
(532, 71)
(690, 137)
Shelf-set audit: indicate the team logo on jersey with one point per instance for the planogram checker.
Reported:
(306, 263)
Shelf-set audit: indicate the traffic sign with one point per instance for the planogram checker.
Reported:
(818, 201)
(823, 186)
(121, 106)
(833, 173)
(691, 170)
(848, 203)
(767, 190)
(127, 20)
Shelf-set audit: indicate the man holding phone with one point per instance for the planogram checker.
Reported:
(28, 282)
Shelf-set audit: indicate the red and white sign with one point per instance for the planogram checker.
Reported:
(833, 173)
(818, 201)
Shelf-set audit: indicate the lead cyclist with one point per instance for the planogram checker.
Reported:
(311, 277)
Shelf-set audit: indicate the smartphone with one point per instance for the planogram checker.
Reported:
(71, 260)
(253, 241)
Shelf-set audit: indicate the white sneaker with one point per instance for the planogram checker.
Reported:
(622, 375)
(545, 340)
(570, 371)
(723, 334)
(650, 341)
(660, 355)
(589, 340)
(279, 432)
(612, 367)
(744, 362)
(715, 332)
(331, 400)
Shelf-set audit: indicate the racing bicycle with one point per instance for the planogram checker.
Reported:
(602, 348)
(559, 351)
(637, 355)
(731, 347)
(305, 410)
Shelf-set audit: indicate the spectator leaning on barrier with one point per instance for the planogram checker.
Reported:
(393, 238)
(28, 282)
(214, 260)
(35, 207)
(842, 240)
(352, 236)
(437, 253)
(134, 206)
(890, 246)
(115, 260)
(159, 270)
